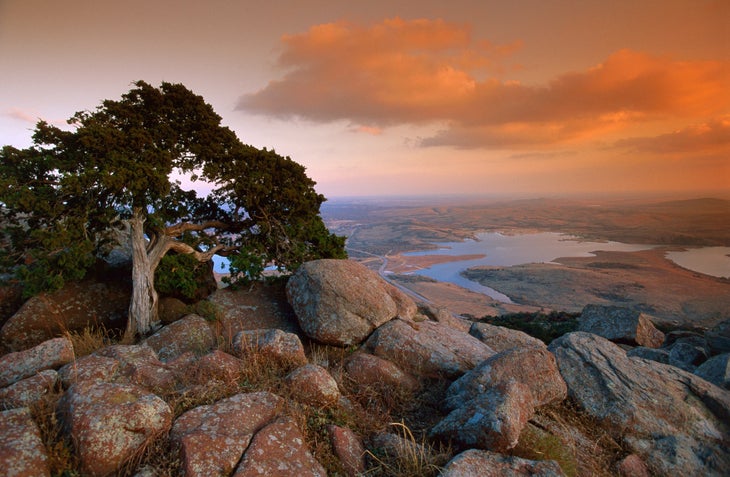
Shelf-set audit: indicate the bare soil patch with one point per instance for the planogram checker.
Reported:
(644, 280)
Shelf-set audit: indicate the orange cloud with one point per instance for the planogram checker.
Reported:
(394, 72)
(424, 71)
(711, 136)
(373, 131)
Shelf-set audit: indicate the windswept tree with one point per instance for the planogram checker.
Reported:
(61, 197)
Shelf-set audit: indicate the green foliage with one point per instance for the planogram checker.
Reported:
(176, 274)
(60, 197)
(206, 309)
(545, 327)
(245, 266)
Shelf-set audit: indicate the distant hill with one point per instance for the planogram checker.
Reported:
(378, 227)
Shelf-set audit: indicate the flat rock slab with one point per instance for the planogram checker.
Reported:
(214, 437)
(481, 463)
(50, 354)
(109, 423)
(427, 348)
(677, 422)
(22, 453)
(279, 449)
(622, 325)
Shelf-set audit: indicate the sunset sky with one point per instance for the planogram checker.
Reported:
(528, 97)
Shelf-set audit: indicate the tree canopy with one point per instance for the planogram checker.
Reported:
(62, 197)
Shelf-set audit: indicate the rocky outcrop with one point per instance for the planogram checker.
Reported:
(139, 365)
(534, 367)
(259, 307)
(348, 448)
(716, 370)
(444, 316)
(11, 299)
(686, 356)
(110, 422)
(218, 365)
(340, 302)
(112, 408)
(313, 385)
(474, 462)
(398, 446)
(77, 305)
(718, 337)
(622, 325)
(370, 371)
(171, 309)
(684, 350)
(213, 438)
(493, 420)
(92, 368)
(22, 453)
(674, 420)
(279, 449)
(28, 391)
(272, 344)
(50, 354)
(428, 348)
(632, 466)
(189, 334)
(491, 404)
(500, 338)
(660, 355)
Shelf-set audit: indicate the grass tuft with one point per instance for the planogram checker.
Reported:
(575, 440)
(61, 457)
(89, 339)
(411, 457)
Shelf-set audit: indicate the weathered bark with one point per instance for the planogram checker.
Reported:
(143, 306)
(146, 256)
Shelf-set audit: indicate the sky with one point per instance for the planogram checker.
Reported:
(388, 97)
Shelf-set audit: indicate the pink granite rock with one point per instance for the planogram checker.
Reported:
(50, 354)
(279, 449)
(22, 453)
(109, 423)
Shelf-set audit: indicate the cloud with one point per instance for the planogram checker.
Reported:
(372, 130)
(31, 118)
(712, 136)
(19, 114)
(393, 72)
(432, 71)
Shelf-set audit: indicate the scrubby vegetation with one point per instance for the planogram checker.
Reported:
(543, 326)
(373, 410)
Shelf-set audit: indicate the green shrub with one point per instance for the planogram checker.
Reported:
(176, 275)
(545, 327)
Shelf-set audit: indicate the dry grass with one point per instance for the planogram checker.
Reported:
(61, 457)
(412, 457)
(564, 433)
(89, 339)
(373, 410)
(158, 455)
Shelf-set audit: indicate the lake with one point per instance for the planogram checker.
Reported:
(508, 250)
(713, 261)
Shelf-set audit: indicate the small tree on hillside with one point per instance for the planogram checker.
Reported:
(62, 196)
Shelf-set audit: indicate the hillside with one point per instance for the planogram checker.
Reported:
(338, 373)
(381, 228)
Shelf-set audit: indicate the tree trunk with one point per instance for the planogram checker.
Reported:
(143, 306)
